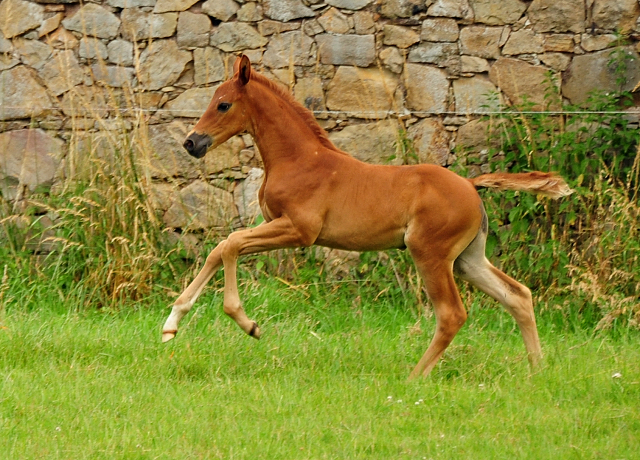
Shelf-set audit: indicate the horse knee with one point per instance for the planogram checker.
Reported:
(521, 306)
(230, 309)
(450, 322)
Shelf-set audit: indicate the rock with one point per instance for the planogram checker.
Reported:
(50, 24)
(193, 30)
(557, 61)
(593, 71)
(6, 46)
(286, 47)
(363, 22)
(427, 88)
(353, 50)
(402, 37)
(150, 100)
(477, 135)
(138, 24)
(21, 95)
(192, 103)
(208, 64)
(481, 41)
(442, 54)
(92, 48)
(370, 142)
(250, 12)
(120, 52)
(94, 20)
(286, 10)
(113, 75)
(201, 206)
(19, 16)
(451, 9)
(334, 22)
(523, 41)
(596, 42)
(475, 95)
(559, 42)
(62, 72)
(268, 27)
(29, 157)
(85, 147)
(352, 5)
(62, 39)
(362, 93)
(85, 101)
(164, 6)
(439, 30)
(338, 264)
(308, 92)
(128, 3)
(245, 197)
(312, 27)
(236, 36)
(168, 157)
(519, 80)
(620, 15)
(557, 15)
(160, 195)
(430, 140)
(224, 157)
(223, 10)
(401, 8)
(34, 53)
(392, 59)
(496, 13)
(8, 61)
(161, 64)
(473, 64)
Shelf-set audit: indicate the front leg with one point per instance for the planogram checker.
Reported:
(186, 300)
(277, 234)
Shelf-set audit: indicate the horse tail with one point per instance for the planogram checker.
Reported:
(548, 184)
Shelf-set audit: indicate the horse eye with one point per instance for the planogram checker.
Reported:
(224, 107)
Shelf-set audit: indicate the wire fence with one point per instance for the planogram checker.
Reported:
(193, 113)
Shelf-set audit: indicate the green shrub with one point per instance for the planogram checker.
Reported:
(583, 247)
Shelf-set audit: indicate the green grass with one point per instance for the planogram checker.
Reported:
(327, 380)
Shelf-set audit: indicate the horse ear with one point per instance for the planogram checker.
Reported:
(242, 67)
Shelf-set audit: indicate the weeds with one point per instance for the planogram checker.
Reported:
(98, 240)
(587, 244)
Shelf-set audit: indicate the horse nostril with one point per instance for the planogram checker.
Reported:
(189, 145)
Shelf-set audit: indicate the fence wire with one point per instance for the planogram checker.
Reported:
(355, 114)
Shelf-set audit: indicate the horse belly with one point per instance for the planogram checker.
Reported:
(356, 234)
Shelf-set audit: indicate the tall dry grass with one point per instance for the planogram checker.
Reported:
(98, 233)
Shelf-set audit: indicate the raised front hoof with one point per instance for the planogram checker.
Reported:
(255, 331)
(168, 335)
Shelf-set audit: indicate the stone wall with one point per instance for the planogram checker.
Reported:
(75, 75)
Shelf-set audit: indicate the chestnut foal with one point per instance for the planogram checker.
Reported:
(315, 194)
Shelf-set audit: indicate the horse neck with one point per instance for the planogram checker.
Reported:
(278, 130)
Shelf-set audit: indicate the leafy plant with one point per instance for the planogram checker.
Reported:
(587, 243)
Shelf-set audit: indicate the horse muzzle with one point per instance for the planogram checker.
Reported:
(197, 144)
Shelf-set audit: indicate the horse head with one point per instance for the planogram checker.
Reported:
(225, 116)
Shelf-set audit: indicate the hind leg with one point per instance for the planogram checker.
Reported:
(473, 266)
(449, 311)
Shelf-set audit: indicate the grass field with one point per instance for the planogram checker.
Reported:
(328, 380)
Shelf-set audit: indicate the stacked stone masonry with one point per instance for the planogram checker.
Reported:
(75, 74)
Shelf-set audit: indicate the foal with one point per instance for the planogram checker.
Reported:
(315, 194)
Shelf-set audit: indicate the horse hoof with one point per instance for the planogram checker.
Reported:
(168, 335)
(255, 331)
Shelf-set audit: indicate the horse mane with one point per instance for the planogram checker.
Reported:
(305, 114)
